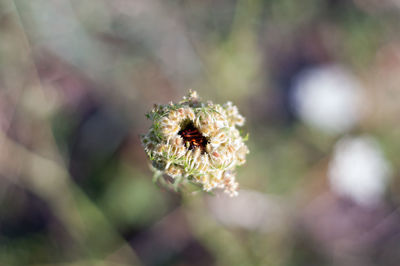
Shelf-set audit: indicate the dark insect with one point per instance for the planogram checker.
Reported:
(193, 138)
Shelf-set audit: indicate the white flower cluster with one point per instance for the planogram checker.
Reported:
(197, 142)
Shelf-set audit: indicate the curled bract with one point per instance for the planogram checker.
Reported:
(196, 142)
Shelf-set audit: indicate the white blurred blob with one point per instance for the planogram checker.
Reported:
(359, 170)
(250, 210)
(328, 98)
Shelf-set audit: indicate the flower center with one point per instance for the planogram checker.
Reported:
(193, 137)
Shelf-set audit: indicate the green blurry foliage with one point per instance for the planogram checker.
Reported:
(132, 199)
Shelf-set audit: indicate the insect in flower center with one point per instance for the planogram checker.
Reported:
(193, 137)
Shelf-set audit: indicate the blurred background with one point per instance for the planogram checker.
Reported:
(317, 80)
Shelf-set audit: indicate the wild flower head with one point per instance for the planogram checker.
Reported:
(196, 142)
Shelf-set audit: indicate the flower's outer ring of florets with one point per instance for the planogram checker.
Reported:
(197, 141)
